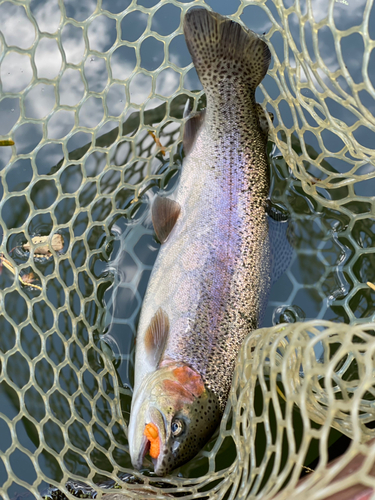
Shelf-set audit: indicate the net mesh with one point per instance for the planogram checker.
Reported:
(82, 84)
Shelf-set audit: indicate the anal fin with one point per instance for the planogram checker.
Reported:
(156, 335)
(192, 127)
(281, 248)
(164, 213)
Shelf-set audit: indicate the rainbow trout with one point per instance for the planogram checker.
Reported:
(212, 275)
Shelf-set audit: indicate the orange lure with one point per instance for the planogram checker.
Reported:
(152, 434)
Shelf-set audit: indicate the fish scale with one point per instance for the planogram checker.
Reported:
(211, 279)
(232, 276)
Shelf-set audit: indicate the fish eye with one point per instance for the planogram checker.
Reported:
(177, 427)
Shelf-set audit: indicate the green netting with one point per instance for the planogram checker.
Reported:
(81, 86)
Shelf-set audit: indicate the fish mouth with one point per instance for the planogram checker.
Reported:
(158, 419)
(159, 469)
(143, 444)
(144, 449)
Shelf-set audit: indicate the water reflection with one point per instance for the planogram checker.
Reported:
(93, 294)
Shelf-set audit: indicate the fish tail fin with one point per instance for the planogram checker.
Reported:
(223, 48)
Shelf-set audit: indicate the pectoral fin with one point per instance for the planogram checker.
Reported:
(165, 213)
(156, 336)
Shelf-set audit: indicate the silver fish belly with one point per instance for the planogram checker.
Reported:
(212, 275)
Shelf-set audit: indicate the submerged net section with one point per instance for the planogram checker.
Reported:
(82, 84)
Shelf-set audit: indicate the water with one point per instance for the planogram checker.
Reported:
(109, 247)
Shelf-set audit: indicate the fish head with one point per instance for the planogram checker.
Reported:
(173, 416)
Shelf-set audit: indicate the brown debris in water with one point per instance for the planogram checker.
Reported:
(42, 250)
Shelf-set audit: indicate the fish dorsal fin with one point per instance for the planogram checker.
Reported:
(165, 213)
(192, 127)
(156, 335)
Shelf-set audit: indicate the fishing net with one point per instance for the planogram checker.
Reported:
(82, 84)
